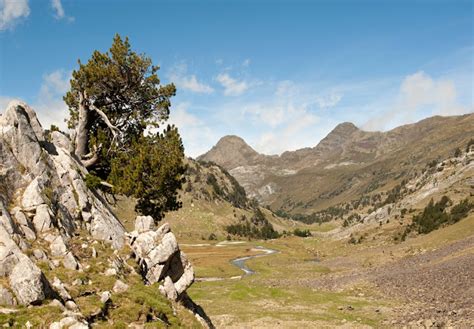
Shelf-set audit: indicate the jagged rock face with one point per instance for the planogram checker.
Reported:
(160, 258)
(46, 209)
(48, 182)
(43, 185)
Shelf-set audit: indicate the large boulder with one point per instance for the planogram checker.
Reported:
(42, 218)
(33, 195)
(28, 282)
(160, 258)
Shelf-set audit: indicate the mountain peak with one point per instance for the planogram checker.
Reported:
(345, 127)
(232, 140)
(230, 151)
(339, 136)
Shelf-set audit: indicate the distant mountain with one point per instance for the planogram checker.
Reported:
(231, 152)
(347, 164)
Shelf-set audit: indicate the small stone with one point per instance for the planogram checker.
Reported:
(39, 254)
(61, 289)
(70, 262)
(77, 282)
(120, 286)
(70, 305)
(56, 303)
(58, 247)
(29, 234)
(110, 271)
(105, 296)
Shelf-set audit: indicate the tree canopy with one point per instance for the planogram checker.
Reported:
(117, 105)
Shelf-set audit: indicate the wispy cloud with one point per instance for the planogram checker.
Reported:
(11, 12)
(196, 134)
(190, 82)
(59, 10)
(328, 101)
(419, 95)
(49, 103)
(232, 87)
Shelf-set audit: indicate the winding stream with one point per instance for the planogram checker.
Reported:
(240, 262)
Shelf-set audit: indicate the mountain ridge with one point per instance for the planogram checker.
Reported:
(347, 152)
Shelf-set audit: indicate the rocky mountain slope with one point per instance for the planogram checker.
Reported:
(346, 165)
(212, 200)
(63, 252)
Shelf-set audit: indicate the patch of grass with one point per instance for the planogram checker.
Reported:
(37, 316)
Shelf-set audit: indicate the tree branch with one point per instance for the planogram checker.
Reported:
(114, 130)
(91, 162)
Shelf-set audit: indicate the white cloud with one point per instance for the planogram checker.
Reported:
(197, 137)
(49, 104)
(419, 96)
(179, 76)
(192, 83)
(246, 62)
(328, 101)
(286, 88)
(301, 130)
(232, 87)
(285, 126)
(58, 8)
(11, 12)
(419, 89)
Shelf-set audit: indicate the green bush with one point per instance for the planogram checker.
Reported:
(92, 181)
(302, 233)
(435, 215)
(258, 227)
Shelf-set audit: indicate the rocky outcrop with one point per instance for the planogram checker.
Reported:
(158, 254)
(160, 259)
(28, 282)
(51, 220)
(43, 185)
(49, 182)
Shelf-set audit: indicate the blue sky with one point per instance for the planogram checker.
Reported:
(280, 74)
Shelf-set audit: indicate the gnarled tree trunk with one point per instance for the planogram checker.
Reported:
(81, 129)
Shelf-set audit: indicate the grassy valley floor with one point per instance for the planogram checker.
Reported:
(324, 282)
